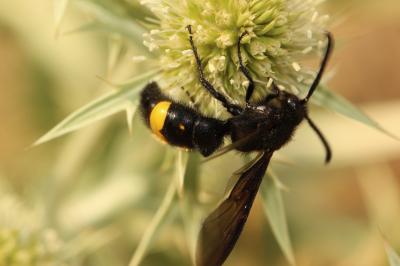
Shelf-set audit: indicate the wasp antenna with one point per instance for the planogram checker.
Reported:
(328, 150)
(328, 51)
(189, 29)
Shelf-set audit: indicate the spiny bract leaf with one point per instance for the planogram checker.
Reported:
(130, 113)
(394, 259)
(189, 205)
(155, 225)
(101, 201)
(275, 211)
(180, 170)
(89, 241)
(328, 99)
(103, 107)
(87, 27)
(59, 10)
(114, 23)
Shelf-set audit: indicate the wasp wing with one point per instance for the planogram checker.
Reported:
(230, 147)
(222, 227)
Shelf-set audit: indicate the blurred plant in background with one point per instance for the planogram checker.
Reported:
(101, 195)
(23, 240)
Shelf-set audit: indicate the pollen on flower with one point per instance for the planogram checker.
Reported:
(187, 52)
(307, 50)
(269, 84)
(220, 63)
(152, 46)
(155, 31)
(314, 16)
(138, 58)
(257, 48)
(279, 34)
(217, 64)
(296, 66)
(223, 18)
(300, 78)
(225, 40)
(309, 34)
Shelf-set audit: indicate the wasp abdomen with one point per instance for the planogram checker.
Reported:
(178, 124)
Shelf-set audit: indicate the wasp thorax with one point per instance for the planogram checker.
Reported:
(269, 124)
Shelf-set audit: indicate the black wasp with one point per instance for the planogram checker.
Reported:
(264, 126)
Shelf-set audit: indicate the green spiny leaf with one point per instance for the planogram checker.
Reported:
(89, 241)
(155, 225)
(60, 7)
(130, 113)
(115, 51)
(89, 26)
(100, 108)
(394, 259)
(275, 211)
(189, 205)
(180, 170)
(113, 22)
(328, 99)
(100, 202)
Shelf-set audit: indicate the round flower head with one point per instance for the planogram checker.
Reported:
(280, 34)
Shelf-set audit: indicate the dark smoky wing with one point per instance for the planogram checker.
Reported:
(222, 227)
(232, 146)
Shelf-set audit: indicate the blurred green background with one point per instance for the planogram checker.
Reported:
(87, 198)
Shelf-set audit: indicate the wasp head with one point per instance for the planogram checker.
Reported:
(287, 106)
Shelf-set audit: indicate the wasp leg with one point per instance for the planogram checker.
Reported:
(191, 98)
(244, 70)
(275, 92)
(230, 107)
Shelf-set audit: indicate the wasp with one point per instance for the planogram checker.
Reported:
(263, 126)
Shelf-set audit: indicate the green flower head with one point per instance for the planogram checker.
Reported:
(281, 33)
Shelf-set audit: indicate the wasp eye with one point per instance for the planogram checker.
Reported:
(292, 102)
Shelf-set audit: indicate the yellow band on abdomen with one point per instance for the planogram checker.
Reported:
(157, 118)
